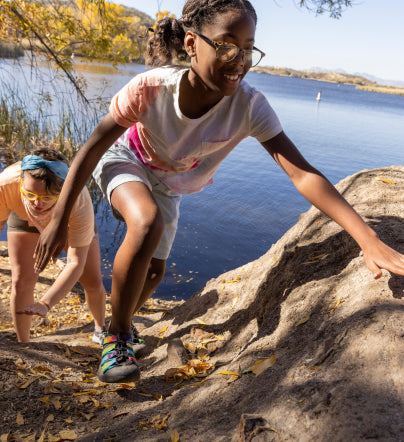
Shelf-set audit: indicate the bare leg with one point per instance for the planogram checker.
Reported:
(91, 280)
(145, 227)
(154, 277)
(21, 246)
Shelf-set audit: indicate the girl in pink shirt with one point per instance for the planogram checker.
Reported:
(169, 130)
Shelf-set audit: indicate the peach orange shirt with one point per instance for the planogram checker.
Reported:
(81, 221)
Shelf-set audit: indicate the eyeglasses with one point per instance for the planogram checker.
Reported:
(30, 196)
(226, 52)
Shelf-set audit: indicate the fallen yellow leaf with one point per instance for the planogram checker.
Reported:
(335, 306)
(79, 352)
(56, 403)
(42, 437)
(232, 373)
(163, 330)
(68, 434)
(121, 413)
(238, 279)
(194, 369)
(315, 258)
(175, 437)
(302, 321)
(385, 180)
(42, 368)
(19, 419)
(232, 378)
(38, 373)
(190, 347)
(50, 388)
(261, 365)
(201, 382)
(26, 384)
(21, 365)
(160, 424)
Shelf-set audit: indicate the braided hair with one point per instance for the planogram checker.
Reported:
(167, 41)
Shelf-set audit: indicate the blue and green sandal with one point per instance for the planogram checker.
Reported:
(118, 363)
(138, 343)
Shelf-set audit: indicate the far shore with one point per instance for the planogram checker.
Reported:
(359, 82)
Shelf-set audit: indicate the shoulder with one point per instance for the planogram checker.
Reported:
(247, 92)
(10, 174)
(165, 75)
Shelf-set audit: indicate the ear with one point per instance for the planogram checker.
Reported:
(190, 43)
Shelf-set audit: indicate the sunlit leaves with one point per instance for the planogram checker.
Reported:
(94, 29)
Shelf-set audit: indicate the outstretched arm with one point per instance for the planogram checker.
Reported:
(53, 238)
(76, 259)
(322, 194)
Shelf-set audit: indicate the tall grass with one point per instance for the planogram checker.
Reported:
(43, 112)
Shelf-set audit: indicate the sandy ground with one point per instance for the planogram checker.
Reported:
(300, 345)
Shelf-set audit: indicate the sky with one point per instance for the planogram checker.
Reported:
(367, 39)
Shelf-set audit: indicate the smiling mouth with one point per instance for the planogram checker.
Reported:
(232, 77)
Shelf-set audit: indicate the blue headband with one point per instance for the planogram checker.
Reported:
(31, 162)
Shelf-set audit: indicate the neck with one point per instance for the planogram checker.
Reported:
(195, 97)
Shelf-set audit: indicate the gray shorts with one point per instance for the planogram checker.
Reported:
(118, 166)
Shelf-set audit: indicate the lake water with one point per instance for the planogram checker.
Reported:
(253, 203)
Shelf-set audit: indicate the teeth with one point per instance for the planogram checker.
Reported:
(231, 77)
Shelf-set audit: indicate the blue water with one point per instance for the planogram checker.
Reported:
(253, 203)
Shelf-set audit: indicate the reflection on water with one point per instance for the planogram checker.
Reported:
(253, 203)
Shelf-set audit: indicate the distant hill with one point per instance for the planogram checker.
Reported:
(145, 19)
(359, 81)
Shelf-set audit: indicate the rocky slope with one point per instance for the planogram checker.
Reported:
(301, 344)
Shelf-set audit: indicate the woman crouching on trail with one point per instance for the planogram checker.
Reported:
(28, 193)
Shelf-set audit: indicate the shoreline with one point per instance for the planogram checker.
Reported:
(358, 81)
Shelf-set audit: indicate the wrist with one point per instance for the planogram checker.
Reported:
(45, 304)
(367, 239)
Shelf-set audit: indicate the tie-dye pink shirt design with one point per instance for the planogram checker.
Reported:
(182, 152)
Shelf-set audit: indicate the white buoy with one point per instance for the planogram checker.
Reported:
(318, 96)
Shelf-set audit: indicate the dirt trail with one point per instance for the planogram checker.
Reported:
(301, 344)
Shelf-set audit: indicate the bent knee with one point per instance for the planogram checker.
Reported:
(20, 280)
(146, 224)
(91, 283)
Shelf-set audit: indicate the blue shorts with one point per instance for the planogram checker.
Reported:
(118, 166)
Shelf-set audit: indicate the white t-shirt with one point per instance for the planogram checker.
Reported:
(182, 152)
